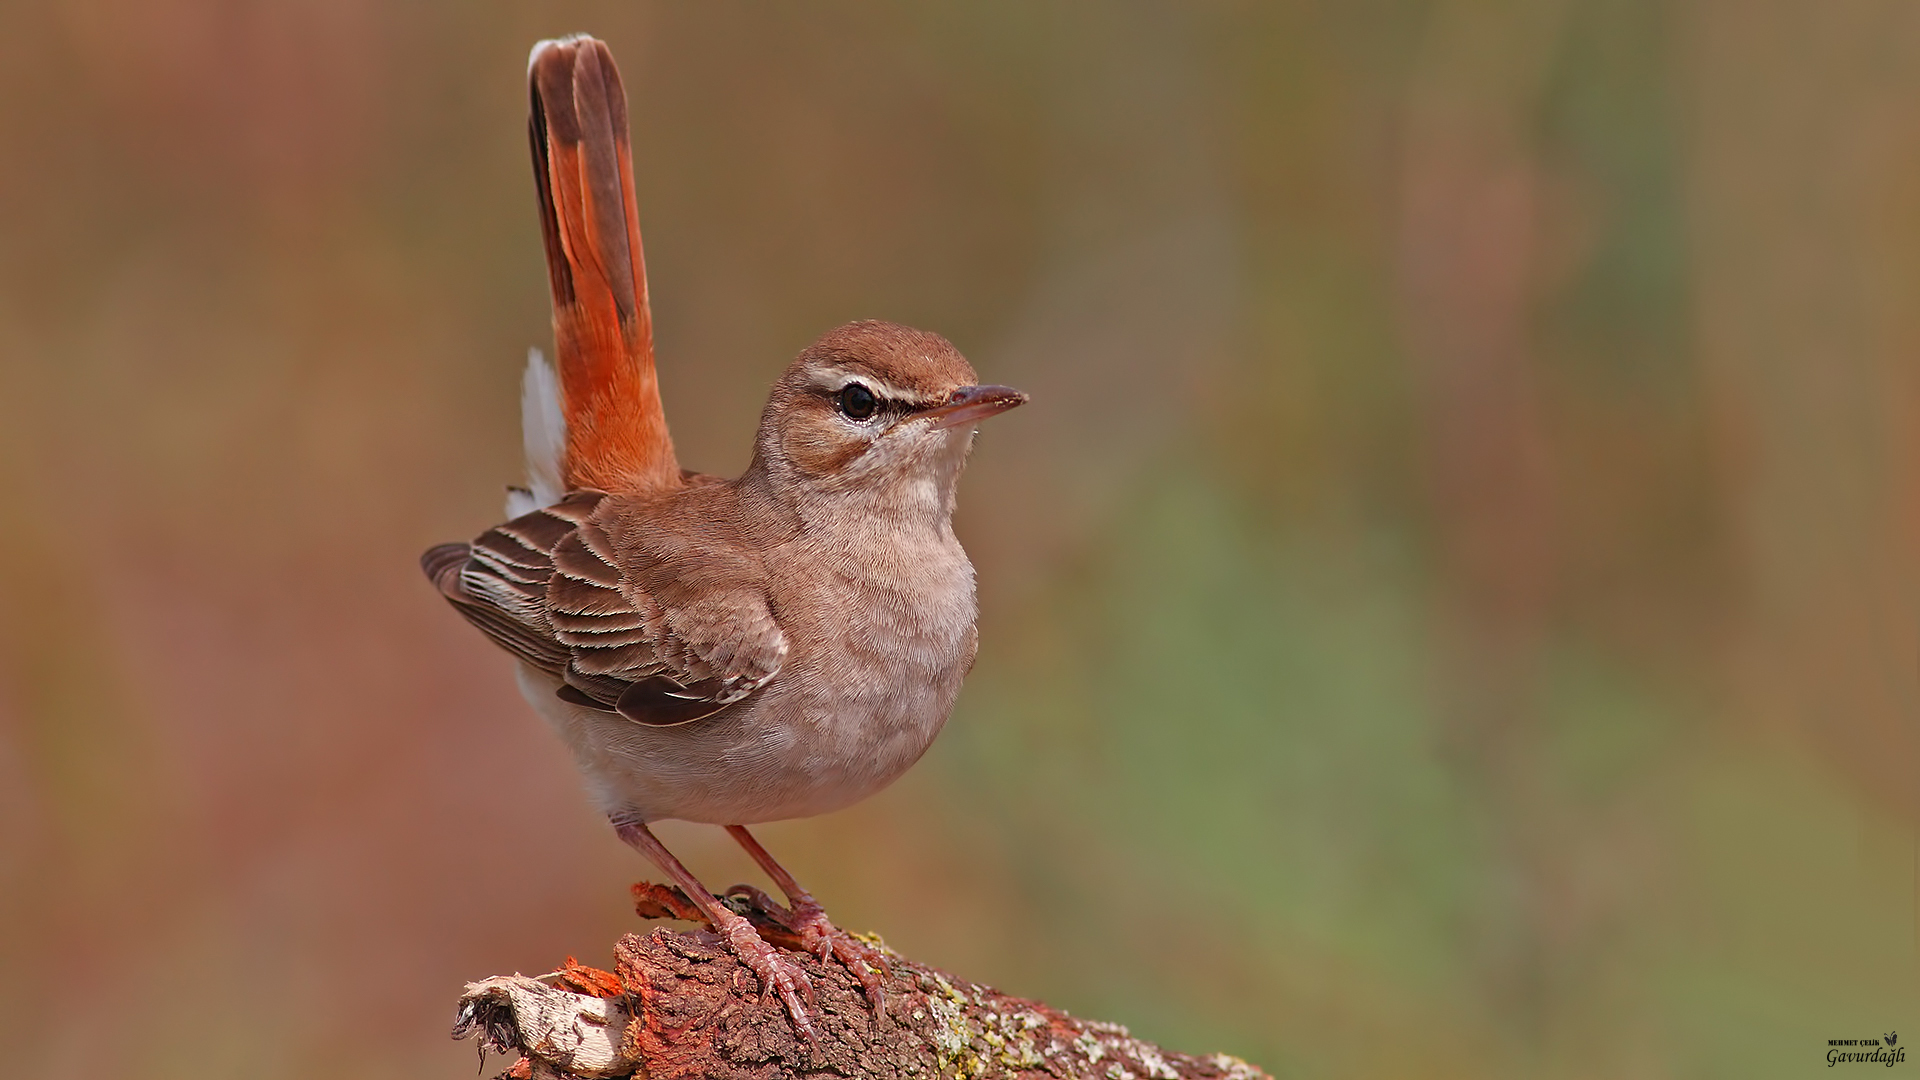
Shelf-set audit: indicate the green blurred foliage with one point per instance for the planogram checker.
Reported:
(1449, 607)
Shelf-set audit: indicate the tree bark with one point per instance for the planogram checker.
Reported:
(678, 1004)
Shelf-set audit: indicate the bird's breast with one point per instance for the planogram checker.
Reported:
(881, 635)
(881, 616)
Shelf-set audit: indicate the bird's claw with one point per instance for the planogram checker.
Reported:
(820, 937)
(807, 921)
(777, 974)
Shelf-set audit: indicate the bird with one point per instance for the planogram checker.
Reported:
(777, 645)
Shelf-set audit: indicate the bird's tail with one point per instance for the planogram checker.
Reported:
(615, 432)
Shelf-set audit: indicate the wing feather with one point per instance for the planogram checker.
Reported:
(661, 628)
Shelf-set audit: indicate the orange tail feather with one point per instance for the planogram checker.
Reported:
(603, 333)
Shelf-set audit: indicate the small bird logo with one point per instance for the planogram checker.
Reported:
(1892, 1037)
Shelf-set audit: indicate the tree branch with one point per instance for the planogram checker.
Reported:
(678, 1004)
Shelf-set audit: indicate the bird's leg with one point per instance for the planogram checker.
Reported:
(777, 974)
(817, 933)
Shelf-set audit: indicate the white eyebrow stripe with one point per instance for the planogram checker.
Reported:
(834, 380)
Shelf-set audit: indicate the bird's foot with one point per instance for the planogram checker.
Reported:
(777, 974)
(868, 964)
(808, 929)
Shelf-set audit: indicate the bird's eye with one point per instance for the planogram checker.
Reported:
(857, 402)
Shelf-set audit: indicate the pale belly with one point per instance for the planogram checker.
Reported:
(768, 760)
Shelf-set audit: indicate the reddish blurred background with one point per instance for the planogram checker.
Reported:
(1450, 608)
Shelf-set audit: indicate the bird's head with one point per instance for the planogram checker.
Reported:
(878, 413)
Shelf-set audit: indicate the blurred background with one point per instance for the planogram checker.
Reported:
(1449, 610)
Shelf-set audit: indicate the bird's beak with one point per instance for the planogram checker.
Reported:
(972, 404)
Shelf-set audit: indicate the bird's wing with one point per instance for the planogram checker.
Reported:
(666, 631)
